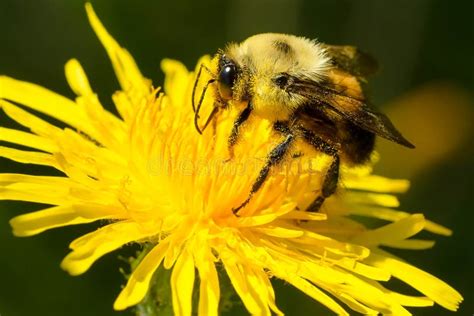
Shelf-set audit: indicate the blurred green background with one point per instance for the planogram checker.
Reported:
(426, 51)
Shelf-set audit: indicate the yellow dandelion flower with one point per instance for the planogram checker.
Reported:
(153, 179)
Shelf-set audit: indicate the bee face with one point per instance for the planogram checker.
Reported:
(263, 69)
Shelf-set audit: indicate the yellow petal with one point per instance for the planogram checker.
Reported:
(396, 231)
(175, 75)
(318, 295)
(206, 60)
(359, 293)
(386, 200)
(416, 301)
(126, 70)
(395, 215)
(281, 232)
(35, 124)
(182, 283)
(434, 288)
(404, 300)
(414, 244)
(77, 78)
(30, 157)
(263, 282)
(305, 216)
(367, 293)
(356, 305)
(375, 300)
(318, 272)
(17, 195)
(176, 242)
(88, 248)
(209, 290)
(46, 189)
(376, 183)
(249, 221)
(139, 281)
(252, 300)
(11, 178)
(27, 139)
(333, 246)
(37, 222)
(125, 107)
(363, 269)
(45, 101)
(437, 228)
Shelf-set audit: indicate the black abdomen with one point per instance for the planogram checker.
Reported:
(357, 144)
(354, 143)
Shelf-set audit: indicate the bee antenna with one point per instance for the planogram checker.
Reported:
(196, 117)
(198, 108)
(196, 81)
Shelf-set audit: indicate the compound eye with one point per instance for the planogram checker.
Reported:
(283, 80)
(227, 78)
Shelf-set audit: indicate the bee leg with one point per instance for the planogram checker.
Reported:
(332, 175)
(214, 126)
(329, 186)
(276, 156)
(234, 134)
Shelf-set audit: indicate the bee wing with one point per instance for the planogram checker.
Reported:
(367, 118)
(342, 90)
(347, 100)
(351, 60)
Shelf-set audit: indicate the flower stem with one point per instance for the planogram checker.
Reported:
(228, 294)
(158, 299)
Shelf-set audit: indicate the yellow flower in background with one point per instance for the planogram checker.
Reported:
(151, 178)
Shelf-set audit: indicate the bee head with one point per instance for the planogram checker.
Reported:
(264, 71)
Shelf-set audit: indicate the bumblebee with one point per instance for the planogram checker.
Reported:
(309, 91)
